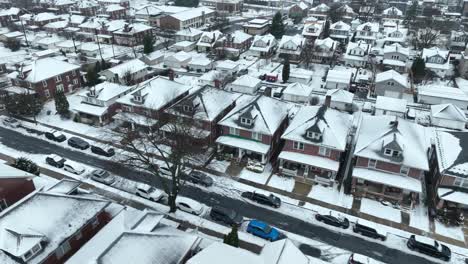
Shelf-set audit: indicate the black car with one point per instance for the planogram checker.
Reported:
(270, 200)
(429, 247)
(100, 151)
(227, 216)
(368, 229)
(55, 136)
(77, 142)
(201, 178)
(342, 222)
(55, 160)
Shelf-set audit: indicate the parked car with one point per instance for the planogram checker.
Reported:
(55, 136)
(263, 230)
(429, 247)
(77, 142)
(102, 176)
(338, 221)
(100, 151)
(189, 205)
(270, 200)
(361, 259)
(148, 192)
(55, 160)
(11, 122)
(225, 215)
(369, 229)
(201, 178)
(73, 167)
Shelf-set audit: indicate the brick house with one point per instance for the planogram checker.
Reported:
(87, 8)
(42, 19)
(234, 44)
(132, 34)
(192, 18)
(314, 144)
(58, 229)
(115, 11)
(203, 109)
(252, 130)
(291, 47)
(145, 106)
(124, 3)
(48, 75)
(391, 157)
(15, 184)
(8, 16)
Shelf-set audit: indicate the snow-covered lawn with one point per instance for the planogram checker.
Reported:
(260, 178)
(455, 232)
(282, 183)
(419, 218)
(331, 195)
(379, 210)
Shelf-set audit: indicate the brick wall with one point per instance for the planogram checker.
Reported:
(13, 190)
(310, 149)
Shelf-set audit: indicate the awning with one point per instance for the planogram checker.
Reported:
(390, 179)
(451, 195)
(311, 160)
(245, 144)
(89, 109)
(135, 118)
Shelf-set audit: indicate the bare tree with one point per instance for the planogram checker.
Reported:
(175, 145)
(128, 78)
(336, 13)
(425, 38)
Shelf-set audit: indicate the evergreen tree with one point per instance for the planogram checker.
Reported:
(418, 68)
(326, 29)
(286, 68)
(232, 238)
(148, 44)
(13, 44)
(277, 26)
(92, 74)
(61, 103)
(23, 104)
(411, 13)
(27, 165)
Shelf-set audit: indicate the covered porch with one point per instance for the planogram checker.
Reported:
(239, 148)
(308, 168)
(92, 114)
(134, 121)
(396, 189)
(452, 206)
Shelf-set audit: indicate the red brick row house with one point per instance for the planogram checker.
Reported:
(391, 156)
(234, 44)
(115, 11)
(15, 184)
(132, 34)
(87, 8)
(46, 76)
(314, 144)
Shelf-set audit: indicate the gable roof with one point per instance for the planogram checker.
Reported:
(452, 153)
(107, 90)
(46, 68)
(297, 39)
(448, 111)
(391, 104)
(392, 75)
(434, 51)
(340, 25)
(396, 47)
(340, 95)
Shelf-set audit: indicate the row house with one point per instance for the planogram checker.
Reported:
(357, 54)
(145, 106)
(437, 60)
(98, 103)
(40, 19)
(291, 47)
(88, 8)
(192, 18)
(367, 32)
(391, 84)
(391, 157)
(64, 6)
(263, 46)
(234, 44)
(324, 51)
(16, 184)
(257, 26)
(339, 31)
(130, 72)
(8, 16)
(124, 3)
(132, 34)
(458, 41)
(208, 41)
(319, 12)
(58, 229)
(395, 57)
(155, 13)
(202, 110)
(314, 144)
(395, 35)
(252, 130)
(114, 11)
(449, 177)
(46, 76)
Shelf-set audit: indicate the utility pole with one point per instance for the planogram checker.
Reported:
(24, 33)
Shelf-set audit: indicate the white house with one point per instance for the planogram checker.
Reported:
(339, 79)
(390, 106)
(439, 94)
(291, 47)
(357, 54)
(179, 60)
(263, 46)
(448, 116)
(396, 57)
(298, 93)
(246, 84)
(134, 69)
(367, 32)
(391, 84)
(339, 99)
(339, 31)
(437, 60)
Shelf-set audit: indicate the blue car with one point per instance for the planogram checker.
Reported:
(263, 230)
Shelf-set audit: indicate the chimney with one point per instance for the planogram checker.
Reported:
(171, 74)
(217, 83)
(328, 100)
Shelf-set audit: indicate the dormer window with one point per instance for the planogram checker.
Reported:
(392, 153)
(313, 135)
(246, 121)
(187, 108)
(138, 98)
(31, 253)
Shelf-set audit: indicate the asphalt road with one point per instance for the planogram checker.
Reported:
(351, 243)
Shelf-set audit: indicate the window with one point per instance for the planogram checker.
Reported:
(58, 78)
(3, 205)
(95, 223)
(461, 182)
(74, 73)
(388, 152)
(188, 108)
(44, 83)
(246, 121)
(372, 163)
(324, 151)
(396, 153)
(127, 108)
(68, 78)
(62, 250)
(75, 81)
(234, 131)
(298, 145)
(78, 235)
(59, 88)
(257, 136)
(404, 170)
(47, 93)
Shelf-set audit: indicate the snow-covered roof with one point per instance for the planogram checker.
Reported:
(7, 172)
(298, 89)
(396, 47)
(412, 139)
(346, 9)
(113, 8)
(57, 24)
(451, 195)
(391, 104)
(283, 252)
(227, 65)
(208, 39)
(46, 68)
(297, 40)
(333, 124)
(392, 11)
(263, 43)
(339, 76)
(452, 153)
(180, 56)
(247, 144)
(434, 51)
(340, 25)
(340, 95)
(312, 29)
(56, 218)
(192, 13)
(247, 81)
(449, 112)
(327, 43)
(189, 32)
(44, 17)
(369, 26)
(87, 3)
(322, 8)
(12, 11)
(131, 66)
(392, 75)
(156, 93)
(440, 91)
(239, 37)
(359, 44)
(207, 103)
(267, 114)
(219, 252)
(106, 91)
(134, 28)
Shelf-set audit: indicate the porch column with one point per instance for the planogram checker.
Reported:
(263, 158)
(100, 120)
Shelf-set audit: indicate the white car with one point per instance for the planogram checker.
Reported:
(148, 192)
(73, 167)
(361, 259)
(11, 122)
(189, 205)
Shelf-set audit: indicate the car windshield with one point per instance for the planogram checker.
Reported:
(267, 229)
(151, 189)
(102, 173)
(231, 213)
